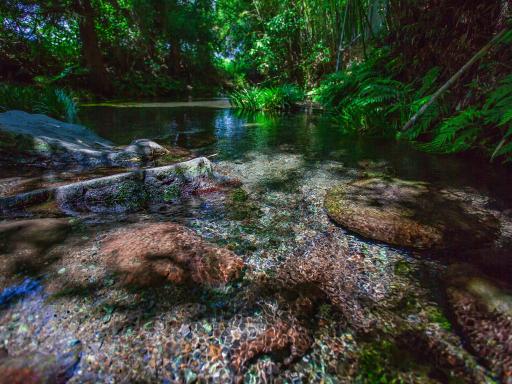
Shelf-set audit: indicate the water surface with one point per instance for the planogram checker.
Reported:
(231, 135)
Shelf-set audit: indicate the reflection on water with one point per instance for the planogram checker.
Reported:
(232, 135)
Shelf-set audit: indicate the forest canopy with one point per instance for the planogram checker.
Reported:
(114, 47)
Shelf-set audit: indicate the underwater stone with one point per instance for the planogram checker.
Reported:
(326, 269)
(159, 252)
(39, 368)
(277, 338)
(409, 213)
(125, 192)
(131, 191)
(32, 237)
(146, 148)
(483, 311)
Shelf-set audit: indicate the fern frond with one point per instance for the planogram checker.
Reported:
(506, 118)
(455, 134)
(428, 81)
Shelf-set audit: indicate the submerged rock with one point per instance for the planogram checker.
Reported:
(25, 245)
(39, 368)
(366, 293)
(282, 337)
(410, 214)
(159, 252)
(32, 237)
(327, 270)
(483, 311)
(125, 192)
(45, 142)
(146, 148)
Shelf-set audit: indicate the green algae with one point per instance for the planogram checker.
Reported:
(172, 192)
(240, 207)
(385, 362)
(403, 268)
(239, 195)
(179, 171)
(131, 194)
(435, 315)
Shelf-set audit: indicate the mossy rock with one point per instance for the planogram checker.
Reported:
(482, 310)
(409, 214)
(240, 207)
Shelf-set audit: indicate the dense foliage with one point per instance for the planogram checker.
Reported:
(379, 94)
(110, 47)
(274, 42)
(372, 63)
(488, 126)
(366, 97)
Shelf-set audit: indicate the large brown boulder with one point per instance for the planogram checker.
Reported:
(410, 214)
(482, 309)
(159, 252)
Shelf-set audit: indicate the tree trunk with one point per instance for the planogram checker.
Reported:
(98, 76)
(175, 59)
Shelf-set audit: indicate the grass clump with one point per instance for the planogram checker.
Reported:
(280, 98)
(54, 102)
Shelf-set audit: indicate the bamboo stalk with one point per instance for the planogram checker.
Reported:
(453, 79)
(341, 37)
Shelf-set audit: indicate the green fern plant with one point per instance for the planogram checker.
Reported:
(488, 126)
(366, 97)
(417, 99)
(50, 101)
(455, 134)
(497, 111)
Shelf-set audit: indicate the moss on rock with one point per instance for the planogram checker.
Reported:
(240, 207)
(408, 213)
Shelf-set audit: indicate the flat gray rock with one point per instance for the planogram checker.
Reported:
(44, 127)
(124, 192)
(40, 140)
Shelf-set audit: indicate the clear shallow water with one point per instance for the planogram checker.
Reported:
(175, 333)
(231, 135)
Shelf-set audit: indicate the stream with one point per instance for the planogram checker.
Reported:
(305, 329)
